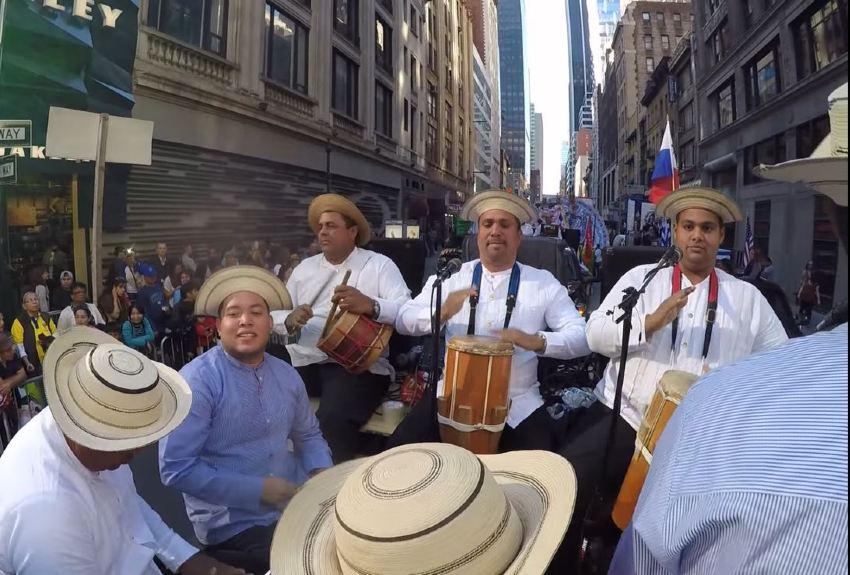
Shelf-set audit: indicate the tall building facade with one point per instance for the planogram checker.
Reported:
(485, 37)
(536, 154)
(580, 93)
(608, 13)
(515, 90)
(485, 173)
(763, 74)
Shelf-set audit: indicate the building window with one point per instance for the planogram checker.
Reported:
(770, 151)
(820, 36)
(748, 13)
(448, 152)
(659, 17)
(432, 101)
(413, 22)
(383, 110)
(287, 50)
(810, 135)
(762, 77)
(388, 4)
(725, 105)
(201, 23)
(825, 251)
(406, 124)
(761, 226)
(647, 42)
(645, 16)
(414, 74)
(719, 43)
(449, 118)
(650, 64)
(345, 19)
(344, 86)
(677, 18)
(383, 45)
(665, 42)
(431, 144)
(711, 7)
(687, 155)
(687, 116)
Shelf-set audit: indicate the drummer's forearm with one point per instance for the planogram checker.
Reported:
(279, 318)
(413, 319)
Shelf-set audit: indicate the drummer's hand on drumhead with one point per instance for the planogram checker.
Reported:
(350, 299)
(667, 311)
(298, 318)
(454, 303)
(530, 341)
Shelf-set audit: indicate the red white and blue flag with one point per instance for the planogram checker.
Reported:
(665, 176)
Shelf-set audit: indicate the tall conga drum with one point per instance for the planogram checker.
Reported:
(669, 393)
(473, 407)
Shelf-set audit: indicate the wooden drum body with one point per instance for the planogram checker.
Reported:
(473, 407)
(669, 393)
(355, 342)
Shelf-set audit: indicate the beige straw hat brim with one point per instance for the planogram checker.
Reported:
(499, 200)
(700, 198)
(73, 407)
(228, 281)
(341, 205)
(540, 486)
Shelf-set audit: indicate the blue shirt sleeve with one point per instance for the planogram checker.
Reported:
(181, 465)
(310, 446)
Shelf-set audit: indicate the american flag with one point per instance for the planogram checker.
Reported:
(748, 245)
(665, 232)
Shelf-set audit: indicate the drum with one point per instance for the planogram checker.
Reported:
(474, 404)
(668, 395)
(354, 341)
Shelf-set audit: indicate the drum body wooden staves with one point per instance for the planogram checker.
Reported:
(473, 406)
(355, 342)
(668, 395)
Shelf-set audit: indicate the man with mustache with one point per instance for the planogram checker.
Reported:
(692, 317)
(231, 457)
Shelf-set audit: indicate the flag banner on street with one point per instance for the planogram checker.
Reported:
(588, 247)
(748, 245)
(665, 175)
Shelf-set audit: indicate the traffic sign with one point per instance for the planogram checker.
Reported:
(9, 170)
(15, 133)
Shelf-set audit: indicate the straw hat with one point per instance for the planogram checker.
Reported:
(341, 205)
(228, 281)
(428, 508)
(109, 397)
(825, 170)
(499, 200)
(702, 198)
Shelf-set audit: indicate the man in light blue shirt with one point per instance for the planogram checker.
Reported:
(230, 457)
(750, 475)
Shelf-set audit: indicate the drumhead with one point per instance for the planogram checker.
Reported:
(675, 384)
(480, 345)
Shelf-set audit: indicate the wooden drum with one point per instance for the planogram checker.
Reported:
(474, 404)
(355, 341)
(669, 393)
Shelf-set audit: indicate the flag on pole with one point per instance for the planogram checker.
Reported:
(587, 254)
(665, 175)
(666, 233)
(748, 245)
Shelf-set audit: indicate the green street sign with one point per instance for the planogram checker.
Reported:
(15, 133)
(9, 170)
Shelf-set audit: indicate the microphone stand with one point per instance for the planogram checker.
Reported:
(433, 378)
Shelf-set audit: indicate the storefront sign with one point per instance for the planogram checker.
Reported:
(9, 170)
(84, 8)
(17, 133)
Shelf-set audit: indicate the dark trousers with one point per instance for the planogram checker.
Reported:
(584, 448)
(537, 431)
(348, 401)
(249, 550)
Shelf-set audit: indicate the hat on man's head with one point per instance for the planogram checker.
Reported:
(428, 507)
(228, 281)
(825, 171)
(66, 274)
(147, 270)
(109, 397)
(341, 205)
(498, 200)
(700, 198)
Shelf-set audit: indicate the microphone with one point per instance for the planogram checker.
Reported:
(670, 257)
(452, 267)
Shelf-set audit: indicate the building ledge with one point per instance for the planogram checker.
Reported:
(172, 53)
(290, 99)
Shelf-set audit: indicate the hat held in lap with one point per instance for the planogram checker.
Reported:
(428, 508)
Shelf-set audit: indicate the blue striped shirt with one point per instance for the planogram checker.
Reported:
(236, 435)
(750, 475)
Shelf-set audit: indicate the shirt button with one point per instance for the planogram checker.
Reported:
(268, 421)
(690, 315)
(685, 344)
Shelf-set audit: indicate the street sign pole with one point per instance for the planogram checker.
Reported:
(97, 203)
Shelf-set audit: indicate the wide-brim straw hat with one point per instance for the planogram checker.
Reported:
(428, 508)
(341, 205)
(109, 397)
(228, 281)
(701, 198)
(498, 200)
(825, 170)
